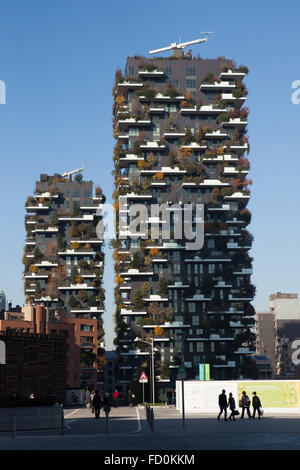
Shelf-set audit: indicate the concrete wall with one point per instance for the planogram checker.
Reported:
(202, 396)
(31, 417)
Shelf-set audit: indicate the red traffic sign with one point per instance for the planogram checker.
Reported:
(143, 378)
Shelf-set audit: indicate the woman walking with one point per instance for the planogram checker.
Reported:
(231, 405)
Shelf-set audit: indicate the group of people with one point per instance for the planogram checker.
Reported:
(244, 403)
(96, 400)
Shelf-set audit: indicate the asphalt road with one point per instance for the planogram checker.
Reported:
(128, 429)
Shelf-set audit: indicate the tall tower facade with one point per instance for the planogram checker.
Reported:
(180, 129)
(63, 258)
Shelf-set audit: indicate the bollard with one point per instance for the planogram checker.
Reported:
(14, 427)
(106, 422)
(152, 419)
(62, 421)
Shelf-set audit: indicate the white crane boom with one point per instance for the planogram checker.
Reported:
(70, 173)
(181, 45)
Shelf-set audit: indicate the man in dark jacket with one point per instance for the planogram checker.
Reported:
(256, 405)
(96, 403)
(223, 405)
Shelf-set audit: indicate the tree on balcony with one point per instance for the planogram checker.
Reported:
(138, 302)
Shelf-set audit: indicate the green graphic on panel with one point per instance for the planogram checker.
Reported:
(272, 394)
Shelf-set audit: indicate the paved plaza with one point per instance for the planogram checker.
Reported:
(128, 429)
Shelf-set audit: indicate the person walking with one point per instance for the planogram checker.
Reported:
(174, 397)
(256, 404)
(223, 405)
(91, 400)
(96, 403)
(130, 402)
(106, 403)
(115, 398)
(245, 404)
(231, 405)
(87, 398)
(169, 397)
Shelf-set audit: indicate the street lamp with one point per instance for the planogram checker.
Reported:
(152, 364)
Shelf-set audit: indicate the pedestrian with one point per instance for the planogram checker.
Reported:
(91, 400)
(256, 403)
(174, 397)
(231, 405)
(106, 403)
(115, 398)
(130, 398)
(223, 405)
(169, 397)
(96, 403)
(245, 404)
(87, 398)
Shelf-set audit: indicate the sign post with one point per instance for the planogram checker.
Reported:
(143, 379)
(182, 375)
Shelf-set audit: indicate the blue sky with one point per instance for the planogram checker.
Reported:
(58, 59)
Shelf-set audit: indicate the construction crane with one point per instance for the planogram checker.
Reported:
(69, 174)
(180, 46)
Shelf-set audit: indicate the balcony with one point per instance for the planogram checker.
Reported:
(151, 73)
(125, 85)
(216, 135)
(194, 146)
(234, 122)
(230, 170)
(36, 276)
(229, 97)
(45, 230)
(85, 217)
(125, 312)
(82, 286)
(239, 196)
(153, 145)
(136, 272)
(156, 110)
(221, 85)
(125, 123)
(91, 241)
(36, 207)
(230, 75)
(156, 298)
(161, 97)
(130, 158)
(174, 135)
(90, 310)
(166, 170)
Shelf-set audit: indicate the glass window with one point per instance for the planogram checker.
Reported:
(87, 193)
(191, 72)
(76, 192)
(130, 70)
(191, 83)
(168, 70)
(133, 131)
(192, 307)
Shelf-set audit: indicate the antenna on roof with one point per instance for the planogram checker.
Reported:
(175, 47)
